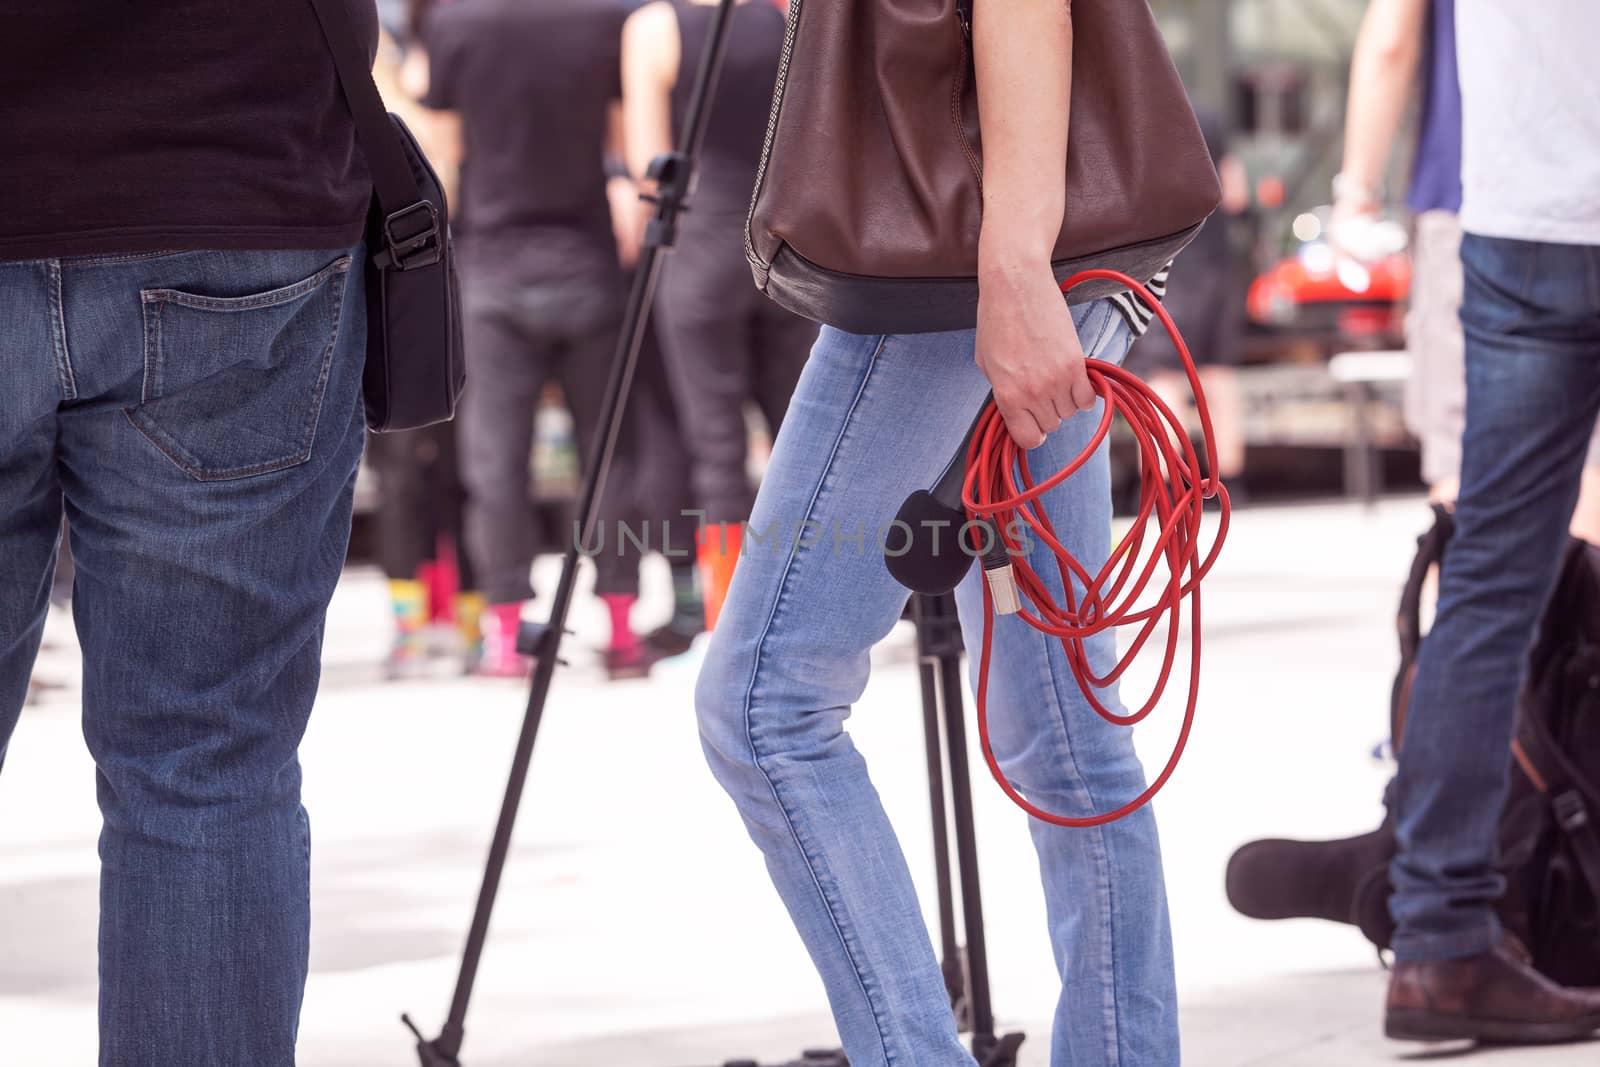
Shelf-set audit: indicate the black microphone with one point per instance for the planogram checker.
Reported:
(934, 561)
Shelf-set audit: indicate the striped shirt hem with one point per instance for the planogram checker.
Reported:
(1133, 309)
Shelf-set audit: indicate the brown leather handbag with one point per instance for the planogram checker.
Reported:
(869, 197)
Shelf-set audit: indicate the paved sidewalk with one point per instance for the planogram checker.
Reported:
(637, 927)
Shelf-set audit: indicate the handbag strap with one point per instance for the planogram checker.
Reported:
(391, 174)
(410, 222)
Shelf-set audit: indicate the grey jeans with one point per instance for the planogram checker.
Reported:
(727, 346)
(518, 339)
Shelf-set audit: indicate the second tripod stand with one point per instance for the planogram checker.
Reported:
(966, 967)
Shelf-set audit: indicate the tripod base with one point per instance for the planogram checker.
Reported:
(1001, 1051)
(989, 1052)
(809, 1058)
(431, 1057)
(428, 1052)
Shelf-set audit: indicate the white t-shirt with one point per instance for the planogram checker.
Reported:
(1530, 99)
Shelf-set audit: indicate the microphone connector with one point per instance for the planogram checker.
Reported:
(1001, 578)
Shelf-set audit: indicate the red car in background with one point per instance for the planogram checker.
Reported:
(1353, 282)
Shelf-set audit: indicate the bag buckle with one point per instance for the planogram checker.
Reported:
(409, 251)
(1571, 812)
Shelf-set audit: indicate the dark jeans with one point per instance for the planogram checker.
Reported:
(518, 339)
(726, 346)
(1532, 321)
(198, 417)
(663, 499)
(420, 499)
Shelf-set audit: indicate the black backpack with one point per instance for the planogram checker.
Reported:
(1549, 840)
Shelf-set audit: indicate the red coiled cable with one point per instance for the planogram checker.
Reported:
(1000, 488)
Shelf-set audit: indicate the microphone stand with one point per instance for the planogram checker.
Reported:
(966, 970)
(939, 646)
(674, 174)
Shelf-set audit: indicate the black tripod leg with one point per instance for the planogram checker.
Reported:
(950, 949)
(966, 849)
(673, 174)
(987, 1049)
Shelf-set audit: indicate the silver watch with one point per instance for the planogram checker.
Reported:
(1347, 189)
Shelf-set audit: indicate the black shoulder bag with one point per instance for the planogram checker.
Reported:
(414, 364)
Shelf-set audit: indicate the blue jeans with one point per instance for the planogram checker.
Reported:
(1531, 315)
(875, 418)
(198, 417)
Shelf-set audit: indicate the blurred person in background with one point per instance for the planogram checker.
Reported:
(420, 547)
(1530, 257)
(1205, 295)
(406, 23)
(663, 499)
(184, 329)
(526, 95)
(726, 345)
(421, 503)
(1403, 44)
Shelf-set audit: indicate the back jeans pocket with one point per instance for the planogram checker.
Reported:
(233, 385)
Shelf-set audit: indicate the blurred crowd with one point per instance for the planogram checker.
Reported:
(544, 119)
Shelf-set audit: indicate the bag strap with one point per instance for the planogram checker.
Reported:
(1430, 551)
(410, 221)
(1540, 759)
(1575, 819)
(391, 174)
(1534, 745)
(1408, 618)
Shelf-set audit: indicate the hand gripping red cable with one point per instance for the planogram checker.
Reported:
(1000, 489)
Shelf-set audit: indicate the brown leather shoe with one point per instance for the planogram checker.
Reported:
(1496, 997)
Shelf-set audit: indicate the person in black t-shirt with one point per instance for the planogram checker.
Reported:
(530, 92)
(182, 326)
(419, 541)
(1205, 296)
(727, 345)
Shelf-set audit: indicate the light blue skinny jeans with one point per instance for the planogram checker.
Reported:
(873, 419)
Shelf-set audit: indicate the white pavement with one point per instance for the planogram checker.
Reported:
(637, 927)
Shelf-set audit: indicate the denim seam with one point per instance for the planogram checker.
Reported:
(126, 257)
(1102, 864)
(58, 334)
(1529, 276)
(150, 387)
(1593, 278)
(789, 569)
(1092, 351)
(152, 382)
(1111, 323)
(271, 298)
